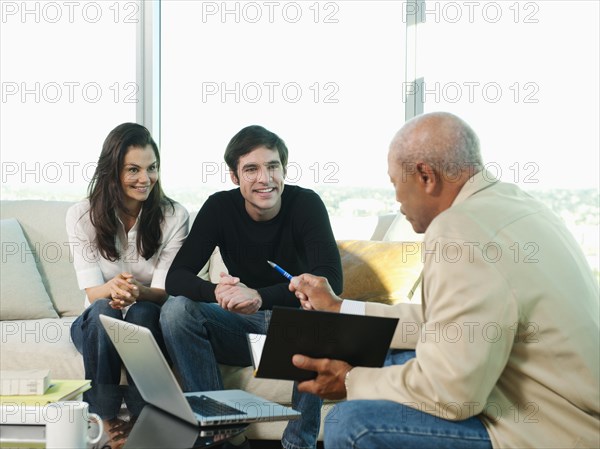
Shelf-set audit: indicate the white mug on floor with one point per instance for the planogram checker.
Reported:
(67, 425)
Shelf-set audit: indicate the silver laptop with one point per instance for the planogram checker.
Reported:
(157, 384)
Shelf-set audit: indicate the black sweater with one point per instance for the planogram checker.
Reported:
(299, 239)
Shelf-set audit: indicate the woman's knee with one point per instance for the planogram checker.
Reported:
(143, 313)
(101, 307)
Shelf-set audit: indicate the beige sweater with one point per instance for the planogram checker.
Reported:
(508, 328)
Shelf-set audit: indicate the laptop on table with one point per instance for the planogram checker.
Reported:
(157, 384)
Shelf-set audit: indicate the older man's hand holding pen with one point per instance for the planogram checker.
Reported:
(315, 293)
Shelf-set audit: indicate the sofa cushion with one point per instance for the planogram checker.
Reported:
(379, 271)
(41, 344)
(43, 224)
(22, 291)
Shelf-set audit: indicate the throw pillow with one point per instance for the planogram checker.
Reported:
(379, 271)
(22, 292)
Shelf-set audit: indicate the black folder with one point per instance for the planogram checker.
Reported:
(356, 339)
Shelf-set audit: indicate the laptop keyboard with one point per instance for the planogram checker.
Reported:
(206, 406)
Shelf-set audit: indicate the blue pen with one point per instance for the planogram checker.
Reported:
(285, 274)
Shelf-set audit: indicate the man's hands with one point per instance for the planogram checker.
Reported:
(331, 375)
(315, 293)
(124, 290)
(234, 296)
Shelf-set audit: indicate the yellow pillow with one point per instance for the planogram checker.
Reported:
(379, 271)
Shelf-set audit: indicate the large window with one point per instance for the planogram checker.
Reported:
(67, 77)
(331, 78)
(335, 79)
(326, 76)
(525, 76)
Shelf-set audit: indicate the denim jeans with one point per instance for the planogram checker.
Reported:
(363, 424)
(201, 335)
(100, 358)
(106, 400)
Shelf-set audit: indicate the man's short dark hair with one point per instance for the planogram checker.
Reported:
(250, 138)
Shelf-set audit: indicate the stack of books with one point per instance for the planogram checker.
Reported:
(24, 382)
(23, 416)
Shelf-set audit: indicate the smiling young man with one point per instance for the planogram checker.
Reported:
(205, 324)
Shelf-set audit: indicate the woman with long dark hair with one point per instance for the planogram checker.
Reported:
(123, 238)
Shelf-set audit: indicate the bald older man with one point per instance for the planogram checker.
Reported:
(507, 342)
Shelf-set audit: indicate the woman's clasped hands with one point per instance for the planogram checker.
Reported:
(124, 290)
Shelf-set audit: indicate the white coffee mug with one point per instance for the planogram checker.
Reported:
(67, 425)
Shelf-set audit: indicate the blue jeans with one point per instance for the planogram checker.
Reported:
(201, 335)
(106, 400)
(100, 358)
(391, 425)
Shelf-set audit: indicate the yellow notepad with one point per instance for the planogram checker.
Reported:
(59, 390)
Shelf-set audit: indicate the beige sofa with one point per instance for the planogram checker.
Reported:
(40, 297)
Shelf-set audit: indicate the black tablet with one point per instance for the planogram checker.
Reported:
(356, 339)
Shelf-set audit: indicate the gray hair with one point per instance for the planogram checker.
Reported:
(440, 139)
